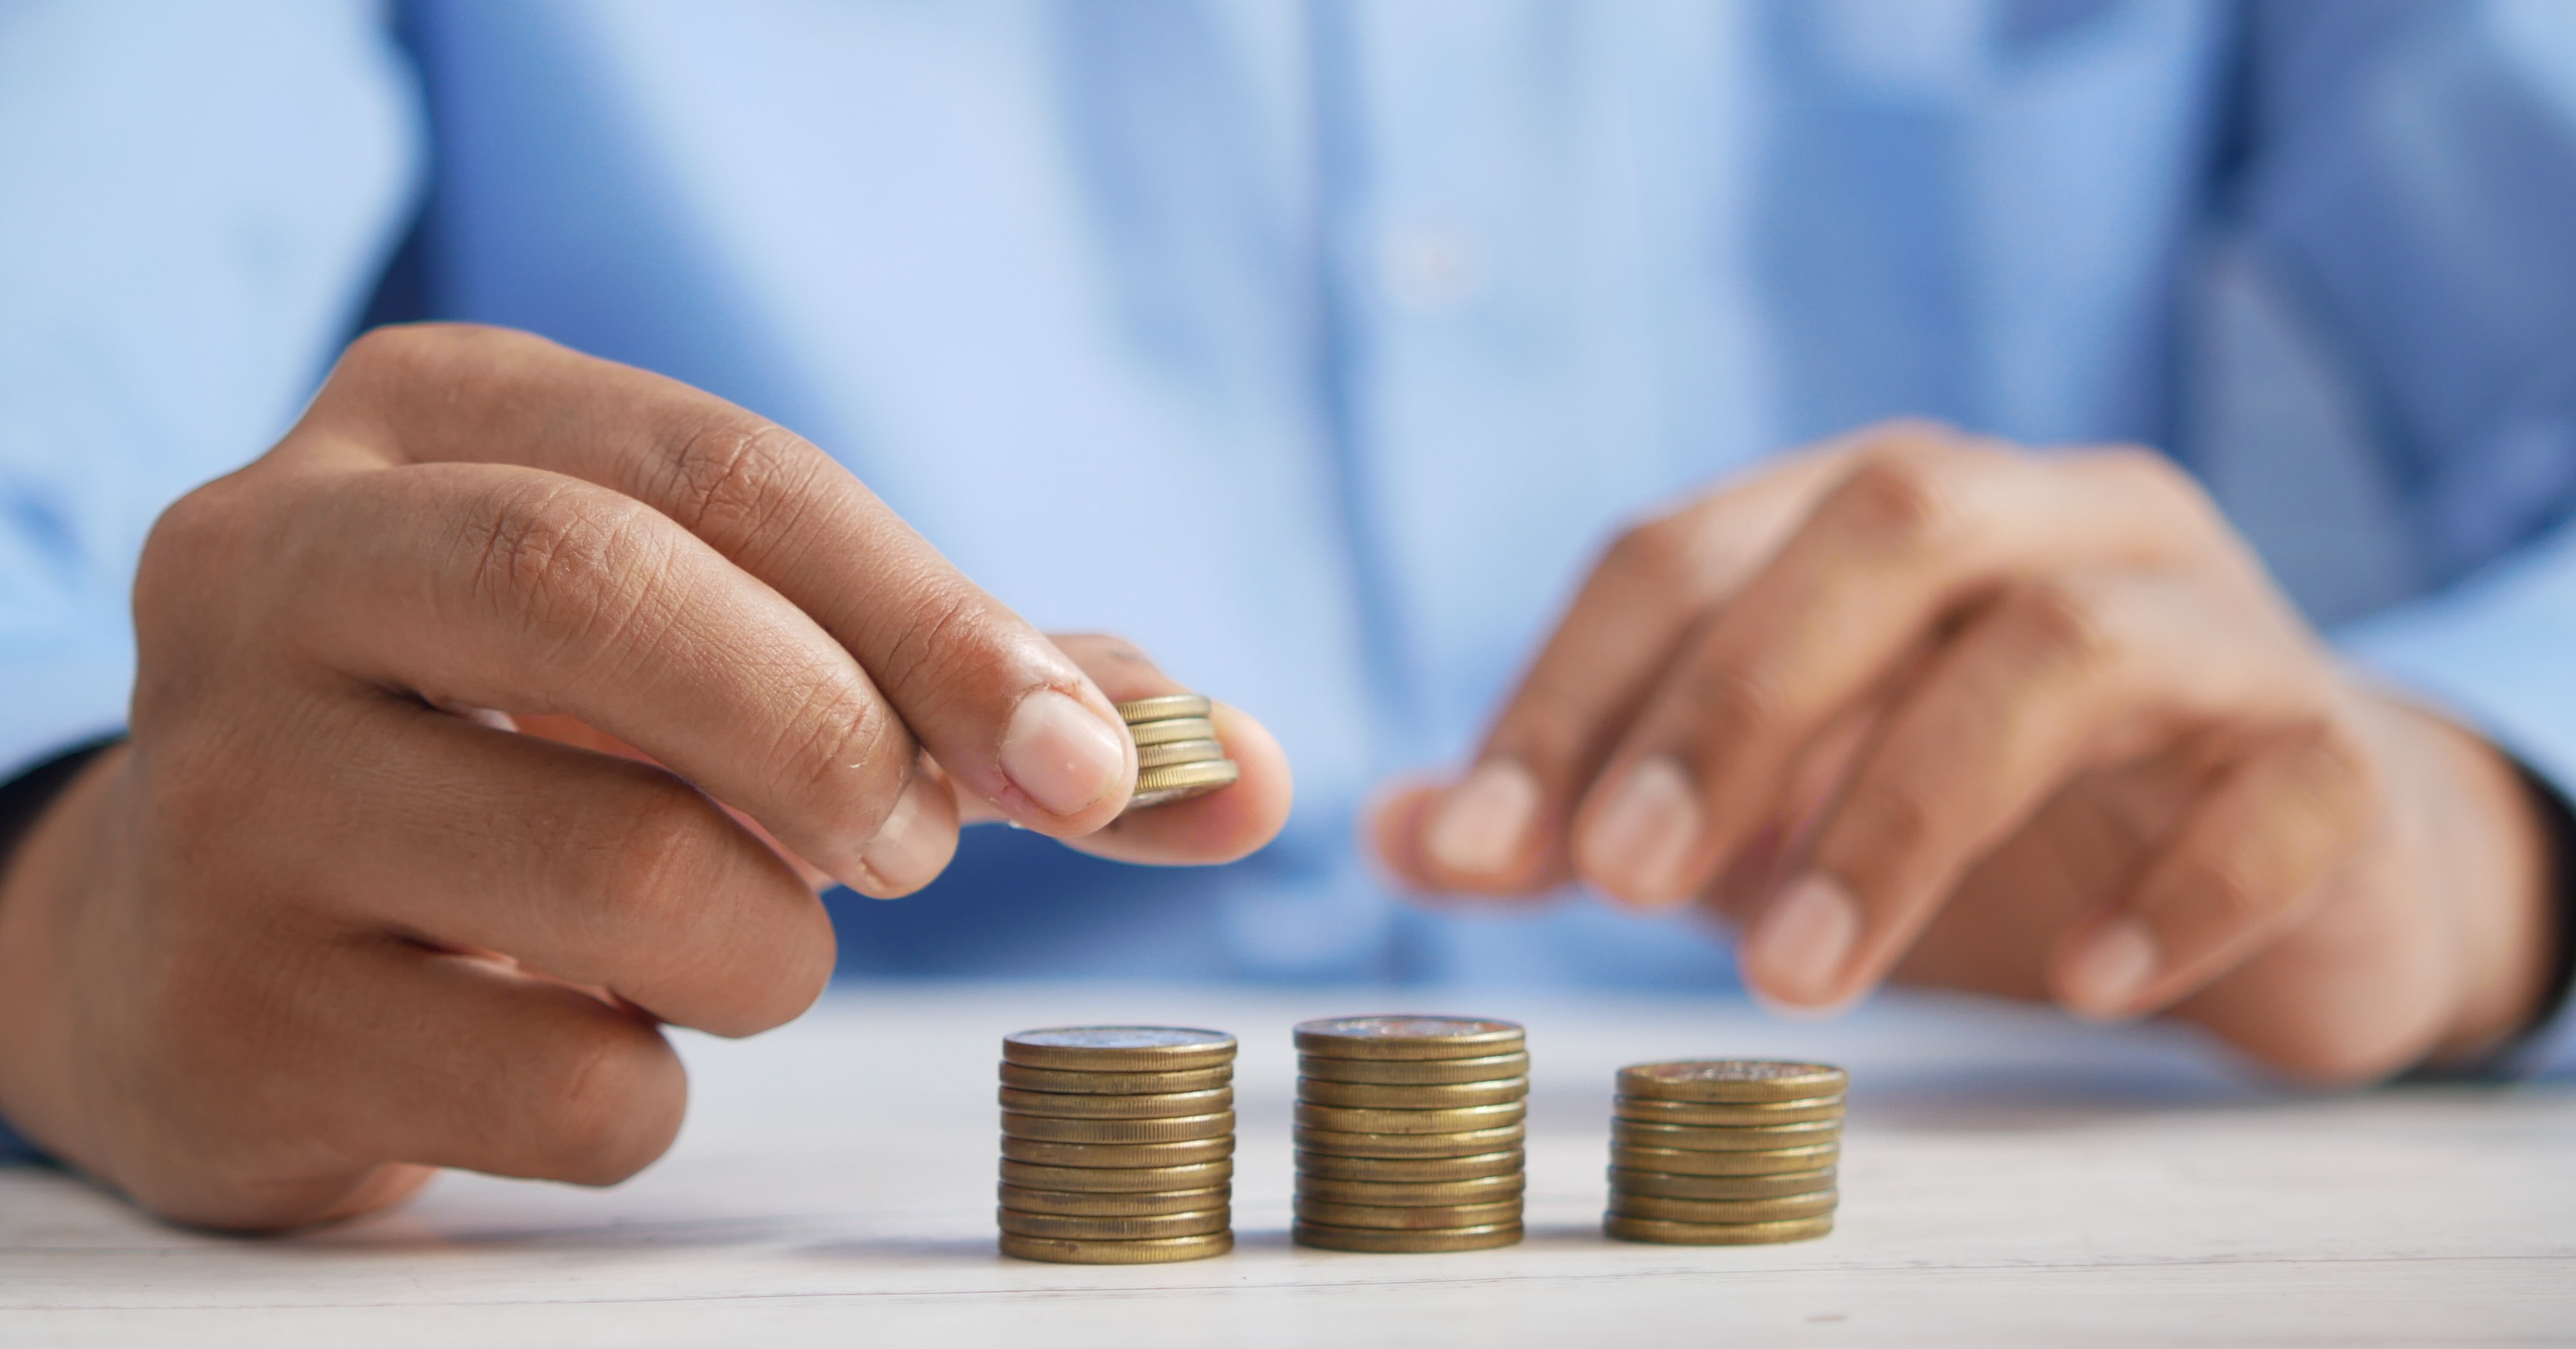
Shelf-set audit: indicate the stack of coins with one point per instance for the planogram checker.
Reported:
(1117, 1144)
(1409, 1133)
(1177, 753)
(1724, 1152)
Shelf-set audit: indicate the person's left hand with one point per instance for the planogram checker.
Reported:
(1922, 706)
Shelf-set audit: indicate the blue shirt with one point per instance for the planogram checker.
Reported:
(1317, 346)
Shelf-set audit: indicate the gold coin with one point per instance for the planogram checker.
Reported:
(1118, 1179)
(1466, 1144)
(1179, 782)
(1731, 1116)
(1715, 1234)
(1179, 752)
(1414, 1072)
(1409, 1217)
(1408, 1170)
(1409, 1037)
(1447, 1096)
(1713, 1138)
(1722, 1210)
(1678, 1162)
(1081, 1205)
(1383, 1240)
(1076, 1082)
(1020, 1224)
(1731, 1081)
(1129, 1154)
(1174, 729)
(1119, 1049)
(1478, 1190)
(1668, 1186)
(1068, 1105)
(1461, 1120)
(1163, 707)
(1056, 1250)
(1178, 1129)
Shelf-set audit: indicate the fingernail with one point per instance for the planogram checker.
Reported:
(1799, 946)
(910, 849)
(1478, 826)
(1060, 753)
(1637, 844)
(2105, 974)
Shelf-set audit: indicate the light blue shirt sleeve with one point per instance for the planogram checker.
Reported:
(2413, 172)
(195, 200)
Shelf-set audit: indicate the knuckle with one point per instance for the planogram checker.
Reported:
(843, 733)
(2223, 889)
(604, 1113)
(1896, 500)
(1660, 554)
(2056, 622)
(660, 858)
(574, 563)
(737, 479)
(1898, 821)
(1731, 703)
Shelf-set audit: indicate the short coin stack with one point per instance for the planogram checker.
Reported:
(1409, 1133)
(1724, 1152)
(1117, 1144)
(1177, 752)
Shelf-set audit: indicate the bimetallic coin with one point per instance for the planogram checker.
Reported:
(1447, 1096)
(1118, 1180)
(1715, 1138)
(1179, 752)
(1081, 1205)
(1413, 1072)
(1020, 1224)
(1722, 1210)
(1466, 1144)
(1179, 1129)
(1408, 1170)
(1730, 1116)
(1174, 729)
(1665, 1185)
(1714, 1234)
(1678, 1162)
(1476, 1190)
(1079, 1082)
(1180, 782)
(1409, 1217)
(1730, 1080)
(1461, 1120)
(1132, 1154)
(1387, 1241)
(1067, 1105)
(1409, 1037)
(1119, 1049)
(1165, 1250)
(1163, 707)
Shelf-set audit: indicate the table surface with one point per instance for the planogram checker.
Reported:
(2008, 1178)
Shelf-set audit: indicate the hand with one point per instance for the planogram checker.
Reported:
(325, 923)
(1921, 706)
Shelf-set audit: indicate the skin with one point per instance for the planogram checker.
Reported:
(514, 705)
(1919, 707)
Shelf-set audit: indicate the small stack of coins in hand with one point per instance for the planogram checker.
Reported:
(1409, 1132)
(1177, 752)
(1117, 1144)
(1724, 1152)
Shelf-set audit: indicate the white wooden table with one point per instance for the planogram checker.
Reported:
(2008, 1178)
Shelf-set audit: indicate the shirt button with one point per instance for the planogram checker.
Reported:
(1431, 269)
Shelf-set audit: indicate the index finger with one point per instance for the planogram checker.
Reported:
(1003, 711)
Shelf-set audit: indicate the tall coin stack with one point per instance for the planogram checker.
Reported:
(1409, 1132)
(1177, 752)
(1724, 1152)
(1117, 1144)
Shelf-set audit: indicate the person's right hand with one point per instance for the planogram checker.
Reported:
(325, 923)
